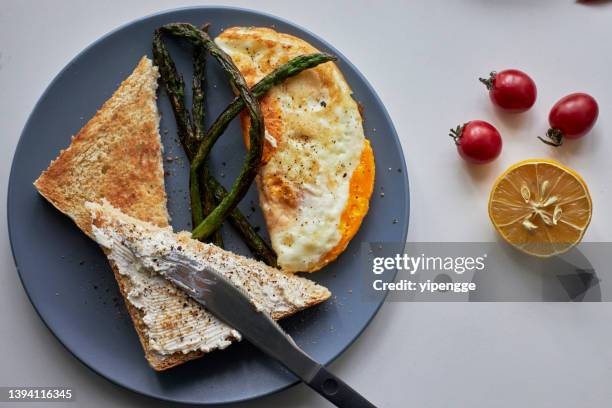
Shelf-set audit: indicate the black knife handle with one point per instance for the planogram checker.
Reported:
(337, 391)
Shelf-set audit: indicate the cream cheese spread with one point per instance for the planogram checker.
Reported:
(175, 322)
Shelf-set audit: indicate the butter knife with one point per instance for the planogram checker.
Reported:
(231, 304)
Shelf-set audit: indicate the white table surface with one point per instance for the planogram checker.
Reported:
(423, 58)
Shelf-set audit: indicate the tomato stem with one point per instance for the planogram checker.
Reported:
(489, 81)
(555, 137)
(456, 133)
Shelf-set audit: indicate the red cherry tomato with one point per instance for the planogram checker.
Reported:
(571, 118)
(477, 141)
(511, 90)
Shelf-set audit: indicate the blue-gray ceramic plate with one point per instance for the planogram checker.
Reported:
(66, 275)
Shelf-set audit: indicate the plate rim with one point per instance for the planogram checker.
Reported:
(19, 146)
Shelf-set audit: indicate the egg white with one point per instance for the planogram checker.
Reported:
(317, 140)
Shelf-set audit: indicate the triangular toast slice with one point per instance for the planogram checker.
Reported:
(143, 251)
(117, 156)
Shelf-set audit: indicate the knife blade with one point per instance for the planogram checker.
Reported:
(232, 305)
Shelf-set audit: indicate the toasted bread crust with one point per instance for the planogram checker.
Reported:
(116, 155)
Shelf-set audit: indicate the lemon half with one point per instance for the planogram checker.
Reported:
(540, 207)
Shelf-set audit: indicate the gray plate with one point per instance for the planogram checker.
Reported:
(68, 279)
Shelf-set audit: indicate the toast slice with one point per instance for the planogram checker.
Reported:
(143, 251)
(117, 156)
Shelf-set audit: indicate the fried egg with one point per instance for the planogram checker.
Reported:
(317, 172)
